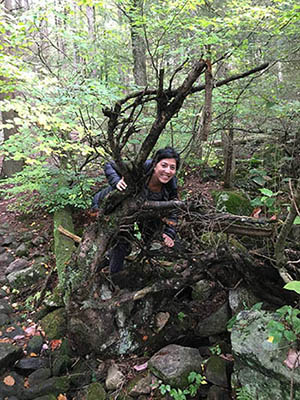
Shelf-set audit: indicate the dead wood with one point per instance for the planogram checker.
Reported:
(69, 234)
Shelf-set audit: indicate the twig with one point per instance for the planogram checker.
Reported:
(69, 234)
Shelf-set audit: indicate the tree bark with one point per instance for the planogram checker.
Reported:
(285, 230)
(9, 166)
(228, 147)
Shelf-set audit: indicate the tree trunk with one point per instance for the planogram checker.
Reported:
(228, 149)
(9, 166)
(138, 46)
(285, 230)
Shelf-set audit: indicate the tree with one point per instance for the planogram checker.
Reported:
(9, 167)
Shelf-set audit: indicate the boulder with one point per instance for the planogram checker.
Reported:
(54, 324)
(232, 201)
(259, 364)
(215, 323)
(115, 378)
(9, 354)
(22, 250)
(241, 298)
(96, 392)
(218, 393)
(202, 290)
(140, 385)
(26, 277)
(52, 386)
(173, 364)
(5, 259)
(17, 265)
(217, 371)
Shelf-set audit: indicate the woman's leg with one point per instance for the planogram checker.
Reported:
(117, 255)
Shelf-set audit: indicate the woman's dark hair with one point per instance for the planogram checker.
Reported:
(167, 152)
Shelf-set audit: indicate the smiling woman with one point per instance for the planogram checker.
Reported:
(160, 185)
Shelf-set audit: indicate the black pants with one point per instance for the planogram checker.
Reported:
(123, 247)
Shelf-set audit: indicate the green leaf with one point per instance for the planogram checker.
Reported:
(267, 192)
(294, 285)
(290, 336)
(297, 220)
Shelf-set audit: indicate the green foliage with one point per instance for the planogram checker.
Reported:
(267, 201)
(287, 322)
(294, 285)
(181, 315)
(49, 187)
(245, 393)
(215, 349)
(195, 381)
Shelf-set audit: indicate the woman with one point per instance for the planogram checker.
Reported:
(160, 185)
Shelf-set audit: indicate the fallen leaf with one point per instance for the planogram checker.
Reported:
(145, 338)
(26, 383)
(18, 337)
(30, 330)
(61, 397)
(141, 367)
(256, 212)
(55, 344)
(10, 329)
(32, 355)
(6, 340)
(293, 359)
(9, 380)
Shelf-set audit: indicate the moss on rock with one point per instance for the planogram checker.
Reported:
(54, 324)
(96, 392)
(231, 201)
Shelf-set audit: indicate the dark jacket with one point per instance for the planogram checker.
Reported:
(169, 191)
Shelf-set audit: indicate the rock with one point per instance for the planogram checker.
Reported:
(2, 250)
(9, 390)
(114, 378)
(5, 259)
(54, 324)
(26, 277)
(215, 323)
(218, 393)
(241, 298)
(202, 290)
(39, 240)
(173, 364)
(140, 385)
(52, 386)
(8, 240)
(22, 250)
(216, 371)
(259, 364)
(35, 344)
(96, 392)
(40, 375)
(17, 265)
(4, 319)
(27, 365)
(9, 354)
(233, 202)
(5, 307)
(12, 331)
(61, 359)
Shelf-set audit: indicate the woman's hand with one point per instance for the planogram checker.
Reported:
(121, 185)
(167, 240)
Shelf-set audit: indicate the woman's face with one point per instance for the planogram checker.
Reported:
(164, 170)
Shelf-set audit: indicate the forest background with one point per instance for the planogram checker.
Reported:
(87, 81)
